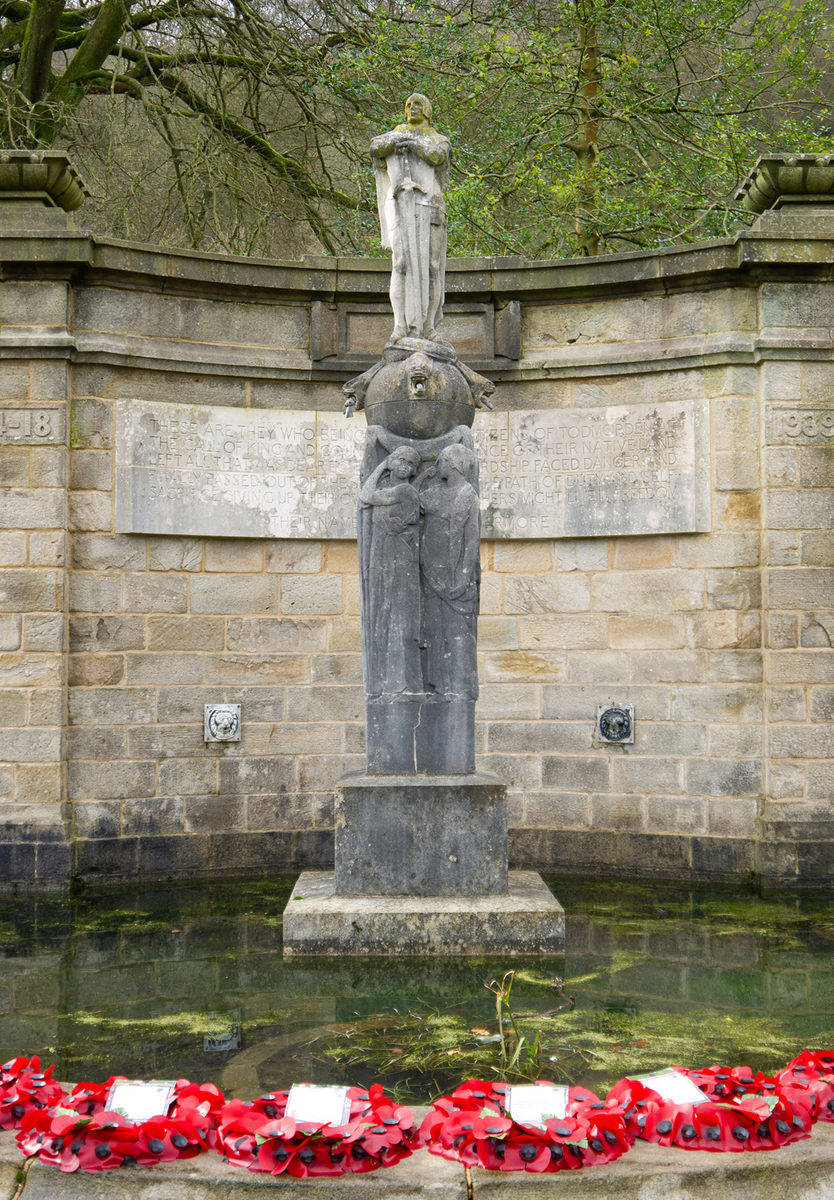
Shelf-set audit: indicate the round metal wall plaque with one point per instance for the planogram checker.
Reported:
(615, 723)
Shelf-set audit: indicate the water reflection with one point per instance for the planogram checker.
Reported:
(140, 983)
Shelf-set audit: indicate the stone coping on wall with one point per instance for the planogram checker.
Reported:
(744, 261)
(748, 256)
(648, 1172)
(596, 360)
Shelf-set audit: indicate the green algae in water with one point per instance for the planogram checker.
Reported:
(135, 983)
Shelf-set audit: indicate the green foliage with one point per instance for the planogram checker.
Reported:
(578, 126)
(586, 125)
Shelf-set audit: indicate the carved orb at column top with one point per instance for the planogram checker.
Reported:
(419, 397)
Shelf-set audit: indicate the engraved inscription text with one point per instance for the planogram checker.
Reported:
(551, 473)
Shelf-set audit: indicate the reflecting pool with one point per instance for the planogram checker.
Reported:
(190, 981)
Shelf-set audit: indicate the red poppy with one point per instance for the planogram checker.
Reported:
(472, 1126)
(526, 1154)
(24, 1088)
(634, 1100)
(606, 1136)
(272, 1105)
(11, 1069)
(169, 1139)
(200, 1105)
(821, 1061)
(490, 1124)
(800, 1080)
(725, 1083)
(457, 1139)
(109, 1139)
(237, 1133)
(90, 1098)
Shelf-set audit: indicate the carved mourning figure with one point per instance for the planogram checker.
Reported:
(450, 571)
(389, 529)
(419, 513)
(412, 169)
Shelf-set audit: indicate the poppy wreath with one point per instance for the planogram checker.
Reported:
(473, 1127)
(84, 1133)
(259, 1136)
(199, 1103)
(736, 1083)
(749, 1120)
(25, 1088)
(811, 1073)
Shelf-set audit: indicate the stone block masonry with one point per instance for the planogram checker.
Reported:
(34, 470)
(111, 642)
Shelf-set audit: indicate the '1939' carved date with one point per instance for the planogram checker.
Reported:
(808, 424)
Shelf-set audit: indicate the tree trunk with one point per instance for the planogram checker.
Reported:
(34, 72)
(587, 130)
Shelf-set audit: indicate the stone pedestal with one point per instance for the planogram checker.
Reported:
(425, 835)
(421, 868)
(528, 920)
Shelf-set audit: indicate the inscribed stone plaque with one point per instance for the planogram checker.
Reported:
(595, 472)
(230, 472)
(32, 425)
(795, 424)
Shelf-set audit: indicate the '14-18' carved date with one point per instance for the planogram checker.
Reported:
(29, 425)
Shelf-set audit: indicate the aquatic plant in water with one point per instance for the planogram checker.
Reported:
(596, 1041)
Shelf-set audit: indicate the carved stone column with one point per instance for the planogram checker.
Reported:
(421, 839)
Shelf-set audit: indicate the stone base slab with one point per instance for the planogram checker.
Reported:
(529, 920)
(421, 835)
(803, 1171)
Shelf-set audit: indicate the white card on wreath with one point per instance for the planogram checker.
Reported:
(535, 1104)
(139, 1100)
(672, 1086)
(323, 1105)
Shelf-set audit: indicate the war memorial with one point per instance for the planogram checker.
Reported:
(179, 529)
(412, 580)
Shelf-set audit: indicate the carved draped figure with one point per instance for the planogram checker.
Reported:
(412, 171)
(450, 564)
(390, 559)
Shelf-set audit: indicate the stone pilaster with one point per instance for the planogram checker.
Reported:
(34, 429)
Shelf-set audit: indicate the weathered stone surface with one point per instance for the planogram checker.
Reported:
(421, 836)
(31, 425)
(47, 548)
(803, 1171)
(419, 550)
(527, 920)
(223, 472)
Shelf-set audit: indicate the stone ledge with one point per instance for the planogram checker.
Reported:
(803, 1171)
(528, 920)
(271, 363)
(739, 261)
(109, 862)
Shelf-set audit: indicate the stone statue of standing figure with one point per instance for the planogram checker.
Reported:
(412, 170)
(419, 511)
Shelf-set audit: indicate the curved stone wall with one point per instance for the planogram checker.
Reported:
(720, 637)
